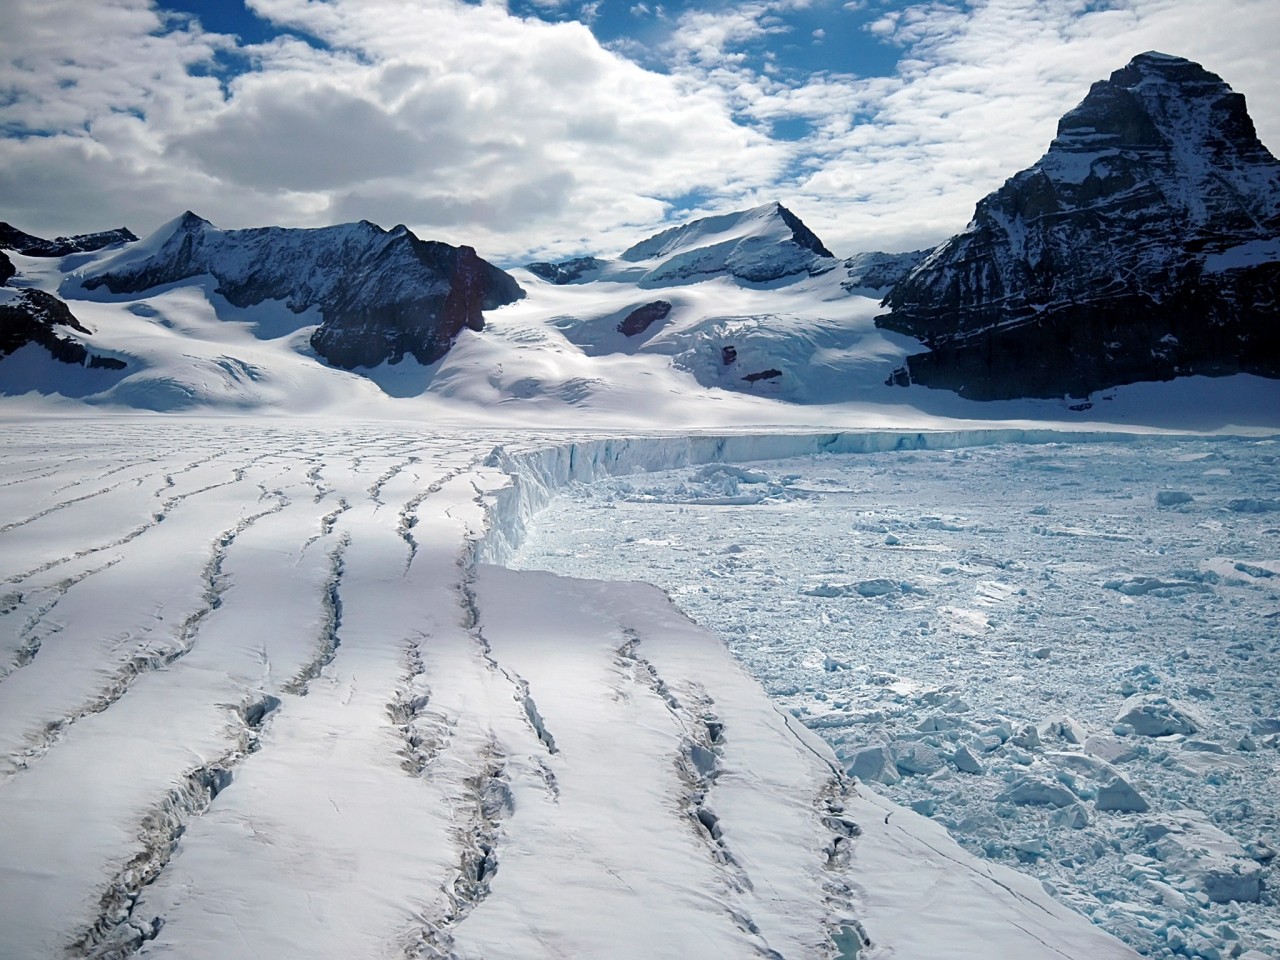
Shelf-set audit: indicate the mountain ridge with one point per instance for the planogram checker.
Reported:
(382, 294)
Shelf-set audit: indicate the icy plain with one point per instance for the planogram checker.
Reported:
(1064, 653)
(260, 698)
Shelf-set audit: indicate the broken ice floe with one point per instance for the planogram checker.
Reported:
(1048, 624)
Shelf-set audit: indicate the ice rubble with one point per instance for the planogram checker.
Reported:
(1120, 744)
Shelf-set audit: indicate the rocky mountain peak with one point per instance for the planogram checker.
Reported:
(1142, 246)
(760, 245)
(381, 294)
(1181, 127)
(801, 234)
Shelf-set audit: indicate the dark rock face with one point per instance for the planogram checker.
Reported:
(566, 271)
(7, 269)
(641, 318)
(32, 318)
(801, 235)
(1144, 245)
(11, 238)
(381, 294)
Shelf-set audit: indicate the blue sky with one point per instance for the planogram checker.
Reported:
(832, 37)
(558, 127)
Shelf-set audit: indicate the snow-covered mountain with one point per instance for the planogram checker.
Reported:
(30, 316)
(11, 238)
(750, 302)
(1144, 245)
(382, 294)
(876, 270)
(762, 245)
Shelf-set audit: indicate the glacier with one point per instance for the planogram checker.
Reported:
(266, 692)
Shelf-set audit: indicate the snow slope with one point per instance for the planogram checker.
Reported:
(557, 356)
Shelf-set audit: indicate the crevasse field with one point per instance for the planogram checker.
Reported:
(1065, 653)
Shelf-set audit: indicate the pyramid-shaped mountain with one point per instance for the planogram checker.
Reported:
(381, 294)
(1144, 245)
(761, 245)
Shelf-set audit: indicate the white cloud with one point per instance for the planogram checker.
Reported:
(518, 136)
(900, 162)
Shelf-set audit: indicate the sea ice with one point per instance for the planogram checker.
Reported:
(1155, 715)
(1025, 620)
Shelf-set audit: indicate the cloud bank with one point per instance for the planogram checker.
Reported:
(524, 137)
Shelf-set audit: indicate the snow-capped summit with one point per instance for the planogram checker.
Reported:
(1144, 245)
(381, 293)
(760, 245)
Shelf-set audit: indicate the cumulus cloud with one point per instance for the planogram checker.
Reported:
(523, 137)
(899, 162)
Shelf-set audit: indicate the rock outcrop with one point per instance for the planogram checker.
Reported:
(1144, 245)
(642, 318)
(11, 238)
(33, 316)
(566, 271)
(380, 294)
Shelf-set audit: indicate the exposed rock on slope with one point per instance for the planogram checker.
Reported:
(382, 294)
(11, 238)
(32, 316)
(641, 318)
(1144, 245)
(566, 271)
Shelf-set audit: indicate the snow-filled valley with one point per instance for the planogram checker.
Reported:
(262, 697)
(1065, 653)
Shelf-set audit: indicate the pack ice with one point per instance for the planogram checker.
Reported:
(1029, 643)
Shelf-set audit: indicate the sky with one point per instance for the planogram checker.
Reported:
(554, 128)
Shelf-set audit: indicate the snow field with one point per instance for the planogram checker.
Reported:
(1013, 640)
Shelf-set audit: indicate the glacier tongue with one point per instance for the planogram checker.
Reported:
(314, 726)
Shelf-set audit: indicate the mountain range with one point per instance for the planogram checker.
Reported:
(1144, 245)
